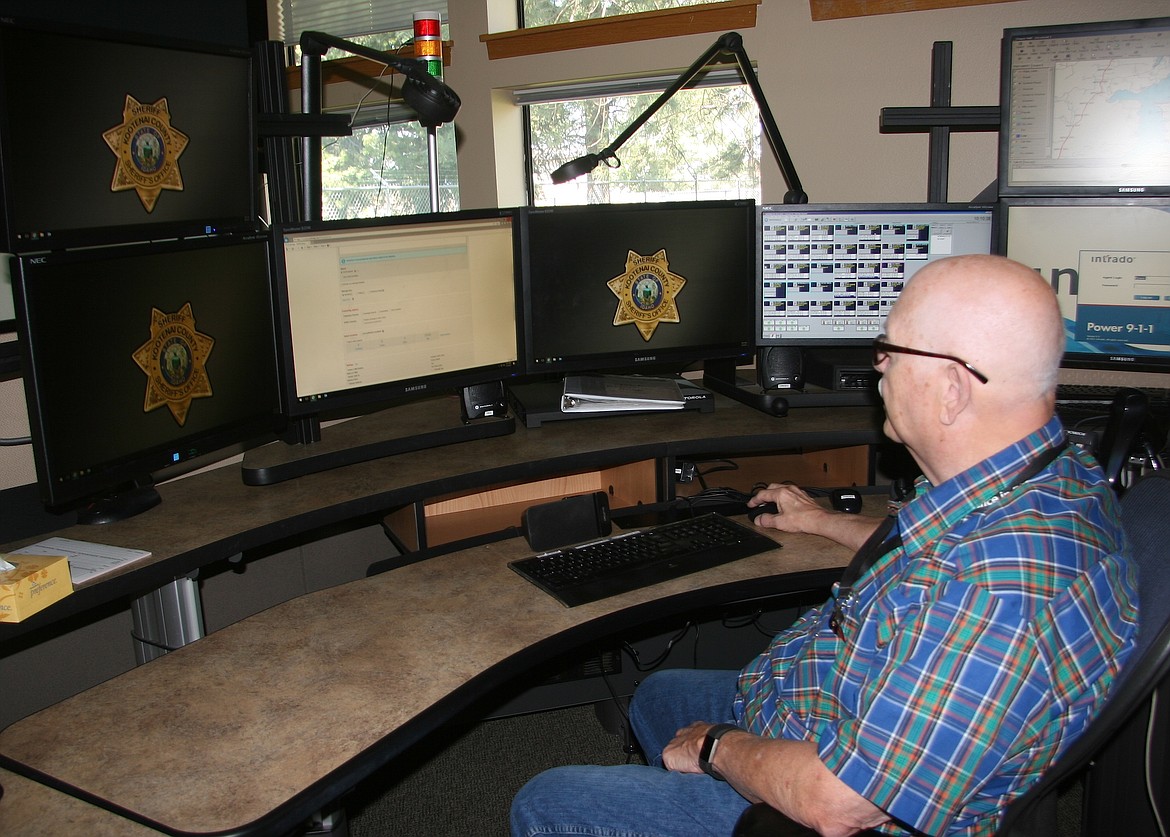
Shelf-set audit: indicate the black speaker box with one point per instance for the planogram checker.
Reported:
(780, 367)
(483, 401)
(571, 520)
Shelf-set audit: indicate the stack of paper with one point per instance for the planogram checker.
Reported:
(87, 560)
(601, 393)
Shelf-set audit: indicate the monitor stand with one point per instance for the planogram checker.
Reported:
(119, 506)
(395, 430)
(722, 377)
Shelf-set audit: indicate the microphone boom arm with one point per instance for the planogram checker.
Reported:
(730, 42)
(318, 43)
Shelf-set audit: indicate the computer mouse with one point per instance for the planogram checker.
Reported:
(845, 500)
(763, 508)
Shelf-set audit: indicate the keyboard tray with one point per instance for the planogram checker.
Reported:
(585, 573)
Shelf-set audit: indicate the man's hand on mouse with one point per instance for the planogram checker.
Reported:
(795, 510)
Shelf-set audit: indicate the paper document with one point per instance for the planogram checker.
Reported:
(86, 560)
(599, 393)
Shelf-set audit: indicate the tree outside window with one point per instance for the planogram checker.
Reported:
(703, 144)
(548, 12)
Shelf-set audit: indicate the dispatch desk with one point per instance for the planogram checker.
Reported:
(262, 723)
(455, 491)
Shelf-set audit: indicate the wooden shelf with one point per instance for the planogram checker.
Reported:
(354, 68)
(459, 516)
(622, 29)
(835, 9)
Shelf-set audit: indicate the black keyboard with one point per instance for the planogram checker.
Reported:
(579, 574)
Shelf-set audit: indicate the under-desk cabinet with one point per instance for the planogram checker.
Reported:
(443, 520)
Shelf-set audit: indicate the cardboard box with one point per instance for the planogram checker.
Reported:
(37, 582)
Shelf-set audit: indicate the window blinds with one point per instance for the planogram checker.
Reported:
(349, 18)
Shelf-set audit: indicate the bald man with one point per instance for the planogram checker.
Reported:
(972, 638)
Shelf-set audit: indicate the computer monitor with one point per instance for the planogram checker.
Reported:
(1083, 109)
(382, 310)
(827, 274)
(108, 138)
(652, 287)
(1109, 262)
(141, 358)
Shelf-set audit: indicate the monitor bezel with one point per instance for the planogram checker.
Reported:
(657, 361)
(876, 208)
(151, 464)
(1087, 360)
(22, 241)
(1010, 36)
(375, 396)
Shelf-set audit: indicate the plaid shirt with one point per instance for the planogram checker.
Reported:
(972, 655)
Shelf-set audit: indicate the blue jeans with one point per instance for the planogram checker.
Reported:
(635, 800)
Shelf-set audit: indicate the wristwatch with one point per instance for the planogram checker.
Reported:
(710, 745)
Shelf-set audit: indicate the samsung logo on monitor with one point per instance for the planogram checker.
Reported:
(1131, 188)
(645, 358)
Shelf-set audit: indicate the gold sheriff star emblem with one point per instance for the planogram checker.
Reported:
(646, 293)
(148, 150)
(174, 361)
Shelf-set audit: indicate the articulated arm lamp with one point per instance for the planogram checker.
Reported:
(731, 42)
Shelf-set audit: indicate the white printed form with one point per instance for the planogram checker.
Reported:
(399, 320)
(87, 561)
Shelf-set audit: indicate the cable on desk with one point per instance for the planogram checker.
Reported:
(754, 621)
(726, 465)
(716, 496)
(661, 658)
(154, 643)
(629, 746)
(15, 441)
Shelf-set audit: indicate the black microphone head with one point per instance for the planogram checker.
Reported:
(433, 101)
(575, 168)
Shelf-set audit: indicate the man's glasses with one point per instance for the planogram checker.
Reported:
(882, 350)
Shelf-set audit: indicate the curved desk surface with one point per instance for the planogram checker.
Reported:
(257, 726)
(212, 516)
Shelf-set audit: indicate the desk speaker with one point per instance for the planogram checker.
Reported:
(483, 401)
(570, 520)
(780, 367)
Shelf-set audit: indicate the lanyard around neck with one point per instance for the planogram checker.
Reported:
(886, 538)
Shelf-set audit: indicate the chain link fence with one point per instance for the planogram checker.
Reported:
(591, 191)
(382, 201)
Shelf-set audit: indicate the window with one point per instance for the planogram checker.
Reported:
(548, 12)
(703, 144)
(383, 168)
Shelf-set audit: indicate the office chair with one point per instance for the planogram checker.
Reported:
(1117, 775)
(1122, 434)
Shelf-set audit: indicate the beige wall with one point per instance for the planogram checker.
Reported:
(826, 83)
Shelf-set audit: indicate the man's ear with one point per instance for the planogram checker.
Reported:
(956, 393)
